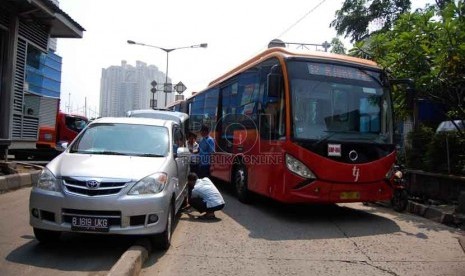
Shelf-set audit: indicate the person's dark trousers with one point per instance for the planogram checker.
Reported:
(203, 171)
(201, 205)
(198, 204)
(195, 168)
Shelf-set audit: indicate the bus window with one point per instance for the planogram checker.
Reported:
(211, 108)
(197, 113)
(349, 102)
(227, 121)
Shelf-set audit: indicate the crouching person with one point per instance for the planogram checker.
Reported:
(204, 196)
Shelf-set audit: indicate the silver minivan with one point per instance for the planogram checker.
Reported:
(119, 176)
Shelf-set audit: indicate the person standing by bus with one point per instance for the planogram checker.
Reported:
(206, 148)
(193, 147)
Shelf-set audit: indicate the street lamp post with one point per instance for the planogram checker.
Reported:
(167, 86)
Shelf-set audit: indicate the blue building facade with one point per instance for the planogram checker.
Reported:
(30, 74)
(44, 77)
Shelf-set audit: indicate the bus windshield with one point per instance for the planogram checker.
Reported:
(338, 102)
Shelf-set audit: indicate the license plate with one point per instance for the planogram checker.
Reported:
(89, 224)
(349, 195)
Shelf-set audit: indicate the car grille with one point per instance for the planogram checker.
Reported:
(78, 186)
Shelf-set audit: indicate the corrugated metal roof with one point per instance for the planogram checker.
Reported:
(57, 9)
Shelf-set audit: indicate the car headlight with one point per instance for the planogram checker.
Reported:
(47, 181)
(152, 184)
(298, 167)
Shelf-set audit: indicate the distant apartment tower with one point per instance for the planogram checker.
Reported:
(125, 87)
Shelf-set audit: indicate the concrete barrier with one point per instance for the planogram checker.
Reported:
(131, 262)
(15, 181)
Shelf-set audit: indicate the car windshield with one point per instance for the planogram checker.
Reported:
(338, 102)
(123, 139)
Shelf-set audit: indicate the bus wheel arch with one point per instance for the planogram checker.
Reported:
(239, 179)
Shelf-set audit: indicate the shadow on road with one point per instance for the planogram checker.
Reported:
(271, 220)
(75, 252)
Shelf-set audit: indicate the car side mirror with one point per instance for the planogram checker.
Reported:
(62, 146)
(183, 152)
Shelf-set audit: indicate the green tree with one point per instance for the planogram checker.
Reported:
(337, 46)
(356, 16)
(428, 46)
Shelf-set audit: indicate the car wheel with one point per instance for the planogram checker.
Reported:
(163, 241)
(240, 184)
(46, 236)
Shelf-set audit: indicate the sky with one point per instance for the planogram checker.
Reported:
(234, 30)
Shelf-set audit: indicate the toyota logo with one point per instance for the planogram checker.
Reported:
(92, 184)
(353, 155)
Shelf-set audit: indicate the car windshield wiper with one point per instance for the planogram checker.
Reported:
(107, 152)
(150, 155)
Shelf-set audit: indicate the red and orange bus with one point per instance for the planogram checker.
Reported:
(300, 127)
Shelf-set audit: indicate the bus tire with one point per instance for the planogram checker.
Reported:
(240, 184)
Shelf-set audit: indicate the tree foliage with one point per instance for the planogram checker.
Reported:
(428, 46)
(337, 46)
(355, 16)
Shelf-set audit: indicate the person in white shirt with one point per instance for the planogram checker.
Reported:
(204, 196)
(193, 147)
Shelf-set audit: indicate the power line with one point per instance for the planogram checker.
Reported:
(302, 18)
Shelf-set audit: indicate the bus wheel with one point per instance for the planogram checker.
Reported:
(240, 183)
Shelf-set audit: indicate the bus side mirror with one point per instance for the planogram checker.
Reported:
(274, 85)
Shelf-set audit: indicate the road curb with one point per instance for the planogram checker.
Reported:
(18, 180)
(444, 215)
(130, 262)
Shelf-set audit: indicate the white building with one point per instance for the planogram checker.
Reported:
(125, 87)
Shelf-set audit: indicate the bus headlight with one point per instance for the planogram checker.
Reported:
(152, 184)
(298, 167)
(47, 181)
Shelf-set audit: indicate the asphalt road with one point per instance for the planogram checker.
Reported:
(21, 254)
(271, 239)
(261, 239)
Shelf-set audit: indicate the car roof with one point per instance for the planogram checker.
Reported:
(176, 116)
(133, 120)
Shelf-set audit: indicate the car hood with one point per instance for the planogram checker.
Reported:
(105, 166)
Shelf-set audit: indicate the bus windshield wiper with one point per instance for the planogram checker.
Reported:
(325, 138)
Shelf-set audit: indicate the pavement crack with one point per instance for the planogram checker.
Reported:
(369, 262)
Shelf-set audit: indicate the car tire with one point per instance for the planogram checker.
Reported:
(46, 236)
(163, 241)
(240, 184)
